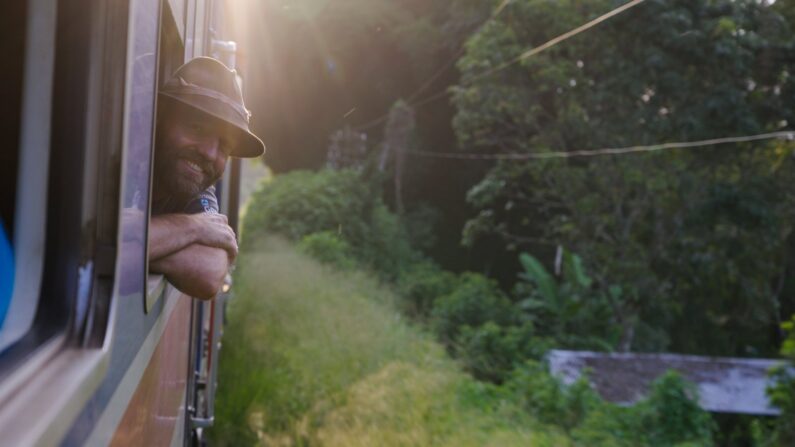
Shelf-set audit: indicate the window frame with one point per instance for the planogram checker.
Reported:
(30, 215)
(48, 383)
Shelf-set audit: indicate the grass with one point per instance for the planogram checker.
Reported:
(314, 356)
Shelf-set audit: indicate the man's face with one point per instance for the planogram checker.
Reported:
(191, 152)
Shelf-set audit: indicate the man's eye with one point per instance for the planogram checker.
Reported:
(226, 146)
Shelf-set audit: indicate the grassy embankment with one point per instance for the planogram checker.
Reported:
(314, 356)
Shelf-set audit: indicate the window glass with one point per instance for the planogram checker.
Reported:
(25, 83)
(12, 46)
(142, 79)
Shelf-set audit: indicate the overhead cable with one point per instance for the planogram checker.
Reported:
(551, 43)
(455, 57)
(787, 134)
(432, 78)
(533, 51)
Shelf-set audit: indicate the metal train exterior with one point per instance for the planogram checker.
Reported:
(96, 351)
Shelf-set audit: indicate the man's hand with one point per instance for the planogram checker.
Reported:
(170, 233)
(194, 251)
(214, 231)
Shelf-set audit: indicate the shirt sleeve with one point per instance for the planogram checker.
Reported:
(204, 202)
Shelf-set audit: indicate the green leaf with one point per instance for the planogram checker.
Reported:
(573, 265)
(539, 275)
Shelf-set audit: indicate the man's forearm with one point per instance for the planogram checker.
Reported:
(197, 270)
(169, 233)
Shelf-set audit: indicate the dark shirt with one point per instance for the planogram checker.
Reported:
(204, 202)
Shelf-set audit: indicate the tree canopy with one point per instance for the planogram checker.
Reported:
(695, 240)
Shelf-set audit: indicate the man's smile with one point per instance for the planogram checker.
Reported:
(193, 169)
(195, 166)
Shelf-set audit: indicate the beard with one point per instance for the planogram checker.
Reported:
(172, 179)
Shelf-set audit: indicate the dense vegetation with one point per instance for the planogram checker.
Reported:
(319, 356)
(686, 251)
(700, 233)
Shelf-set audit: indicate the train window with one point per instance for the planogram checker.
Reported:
(26, 82)
(12, 46)
(172, 51)
(170, 56)
(61, 175)
(139, 138)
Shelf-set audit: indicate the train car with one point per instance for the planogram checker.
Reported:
(94, 349)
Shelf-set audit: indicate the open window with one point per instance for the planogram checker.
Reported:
(62, 113)
(12, 45)
(27, 84)
(170, 56)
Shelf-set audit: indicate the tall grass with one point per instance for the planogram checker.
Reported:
(314, 356)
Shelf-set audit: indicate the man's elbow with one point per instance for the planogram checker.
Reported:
(207, 284)
(198, 271)
(207, 288)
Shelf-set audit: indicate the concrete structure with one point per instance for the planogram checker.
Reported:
(725, 385)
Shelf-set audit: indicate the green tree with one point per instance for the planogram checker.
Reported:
(474, 301)
(569, 310)
(344, 203)
(694, 238)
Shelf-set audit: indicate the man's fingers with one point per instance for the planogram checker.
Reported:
(212, 218)
(219, 235)
(217, 217)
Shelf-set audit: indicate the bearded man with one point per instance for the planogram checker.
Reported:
(202, 121)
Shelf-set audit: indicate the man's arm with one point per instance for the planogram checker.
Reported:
(197, 270)
(171, 233)
(194, 251)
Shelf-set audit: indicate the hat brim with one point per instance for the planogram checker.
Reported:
(249, 145)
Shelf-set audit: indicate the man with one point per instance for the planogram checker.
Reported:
(202, 121)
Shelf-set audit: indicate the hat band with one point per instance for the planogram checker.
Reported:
(186, 88)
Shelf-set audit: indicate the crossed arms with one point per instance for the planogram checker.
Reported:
(194, 251)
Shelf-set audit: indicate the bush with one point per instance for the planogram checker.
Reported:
(475, 300)
(546, 398)
(302, 202)
(490, 352)
(782, 394)
(671, 415)
(422, 224)
(343, 203)
(569, 309)
(385, 247)
(668, 417)
(420, 285)
(328, 248)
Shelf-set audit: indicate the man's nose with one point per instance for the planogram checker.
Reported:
(210, 147)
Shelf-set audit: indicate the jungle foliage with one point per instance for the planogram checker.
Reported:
(687, 251)
(499, 338)
(692, 246)
(320, 356)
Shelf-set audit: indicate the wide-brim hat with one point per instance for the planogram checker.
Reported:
(209, 86)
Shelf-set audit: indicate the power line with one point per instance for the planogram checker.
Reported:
(551, 43)
(455, 57)
(788, 134)
(431, 79)
(526, 54)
